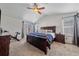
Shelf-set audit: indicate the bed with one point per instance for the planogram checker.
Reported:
(42, 41)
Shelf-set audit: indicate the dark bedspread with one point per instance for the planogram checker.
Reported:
(48, 36)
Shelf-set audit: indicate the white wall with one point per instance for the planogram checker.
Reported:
(53, 20)
(14, 24)
(11, 24)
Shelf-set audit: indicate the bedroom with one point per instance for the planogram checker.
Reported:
(19, 21)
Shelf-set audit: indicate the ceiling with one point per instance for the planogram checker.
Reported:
(19, 10)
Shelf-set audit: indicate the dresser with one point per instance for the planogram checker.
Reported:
(4, 45)
(60, 38)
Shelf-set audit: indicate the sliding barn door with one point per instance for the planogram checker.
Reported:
(69, 29)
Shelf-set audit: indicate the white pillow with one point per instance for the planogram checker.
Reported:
(49, 31)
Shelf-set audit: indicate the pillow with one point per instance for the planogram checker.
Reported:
(49, 31)
(53, 34)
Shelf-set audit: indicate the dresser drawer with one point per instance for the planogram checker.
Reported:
(4, 45)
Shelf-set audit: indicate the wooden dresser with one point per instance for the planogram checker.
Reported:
(4, 45)
(60, 38)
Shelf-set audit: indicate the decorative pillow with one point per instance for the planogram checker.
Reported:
(53, 34)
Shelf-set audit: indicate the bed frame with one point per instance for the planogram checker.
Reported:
(41, 42)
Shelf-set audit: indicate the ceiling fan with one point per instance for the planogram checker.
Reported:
(36, 8)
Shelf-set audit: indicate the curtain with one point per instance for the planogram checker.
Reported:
(22, 35)
(0, 17)
(76, 29)
(33, 27)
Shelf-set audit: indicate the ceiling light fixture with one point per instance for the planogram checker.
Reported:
(36, 9)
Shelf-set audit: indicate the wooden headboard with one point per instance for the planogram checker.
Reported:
(53, 28)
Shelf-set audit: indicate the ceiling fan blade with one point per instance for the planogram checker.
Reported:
(29, 8)
(39, 12)
(41, 8)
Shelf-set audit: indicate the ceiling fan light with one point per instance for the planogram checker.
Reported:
(35, 10)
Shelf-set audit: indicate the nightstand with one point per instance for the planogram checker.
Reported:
(60, 38)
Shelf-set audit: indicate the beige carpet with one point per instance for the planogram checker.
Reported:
(22, 48)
